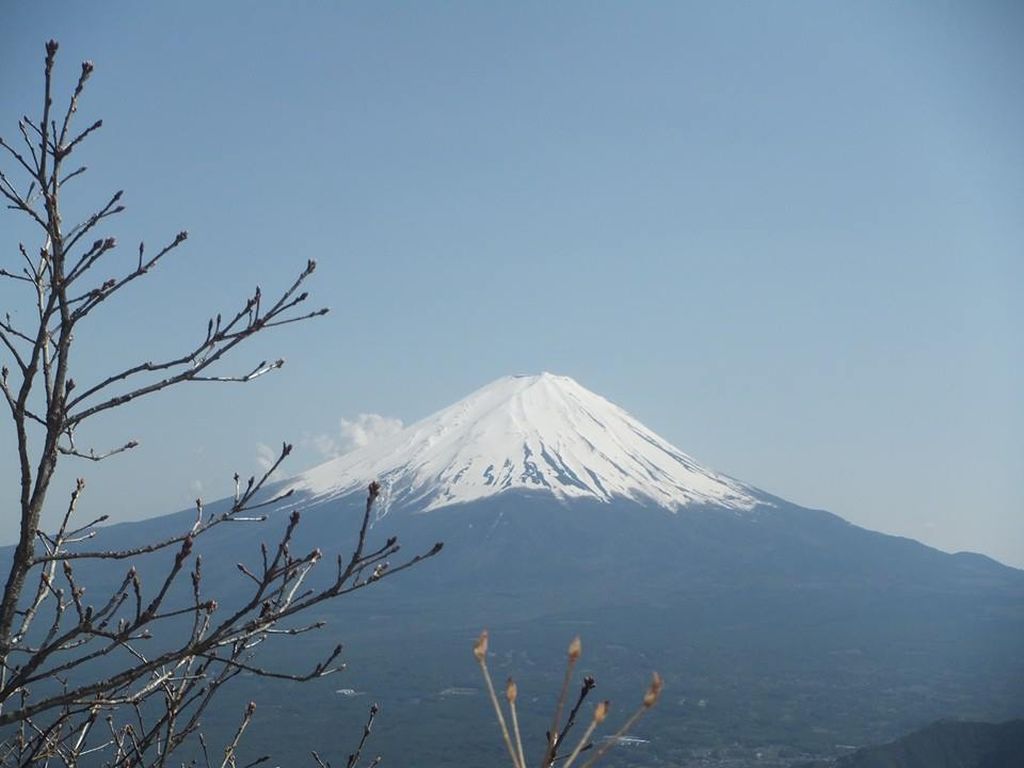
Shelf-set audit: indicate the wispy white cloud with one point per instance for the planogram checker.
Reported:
(355, 433)
(366, 428)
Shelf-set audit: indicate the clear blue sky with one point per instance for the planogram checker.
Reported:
(788, 236)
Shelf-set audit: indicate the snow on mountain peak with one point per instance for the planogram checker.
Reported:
(538, 432)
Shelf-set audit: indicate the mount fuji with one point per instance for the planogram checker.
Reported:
(776, 627)
(539, 433)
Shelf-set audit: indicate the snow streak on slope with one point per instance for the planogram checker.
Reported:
(540, 433)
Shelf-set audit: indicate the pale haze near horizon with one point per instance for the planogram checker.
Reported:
(788, 238)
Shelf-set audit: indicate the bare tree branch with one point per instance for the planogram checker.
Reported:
(122, 676)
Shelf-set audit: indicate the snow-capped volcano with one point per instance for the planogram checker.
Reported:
(539, 433)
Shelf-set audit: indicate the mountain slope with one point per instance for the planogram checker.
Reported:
(945, 744)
